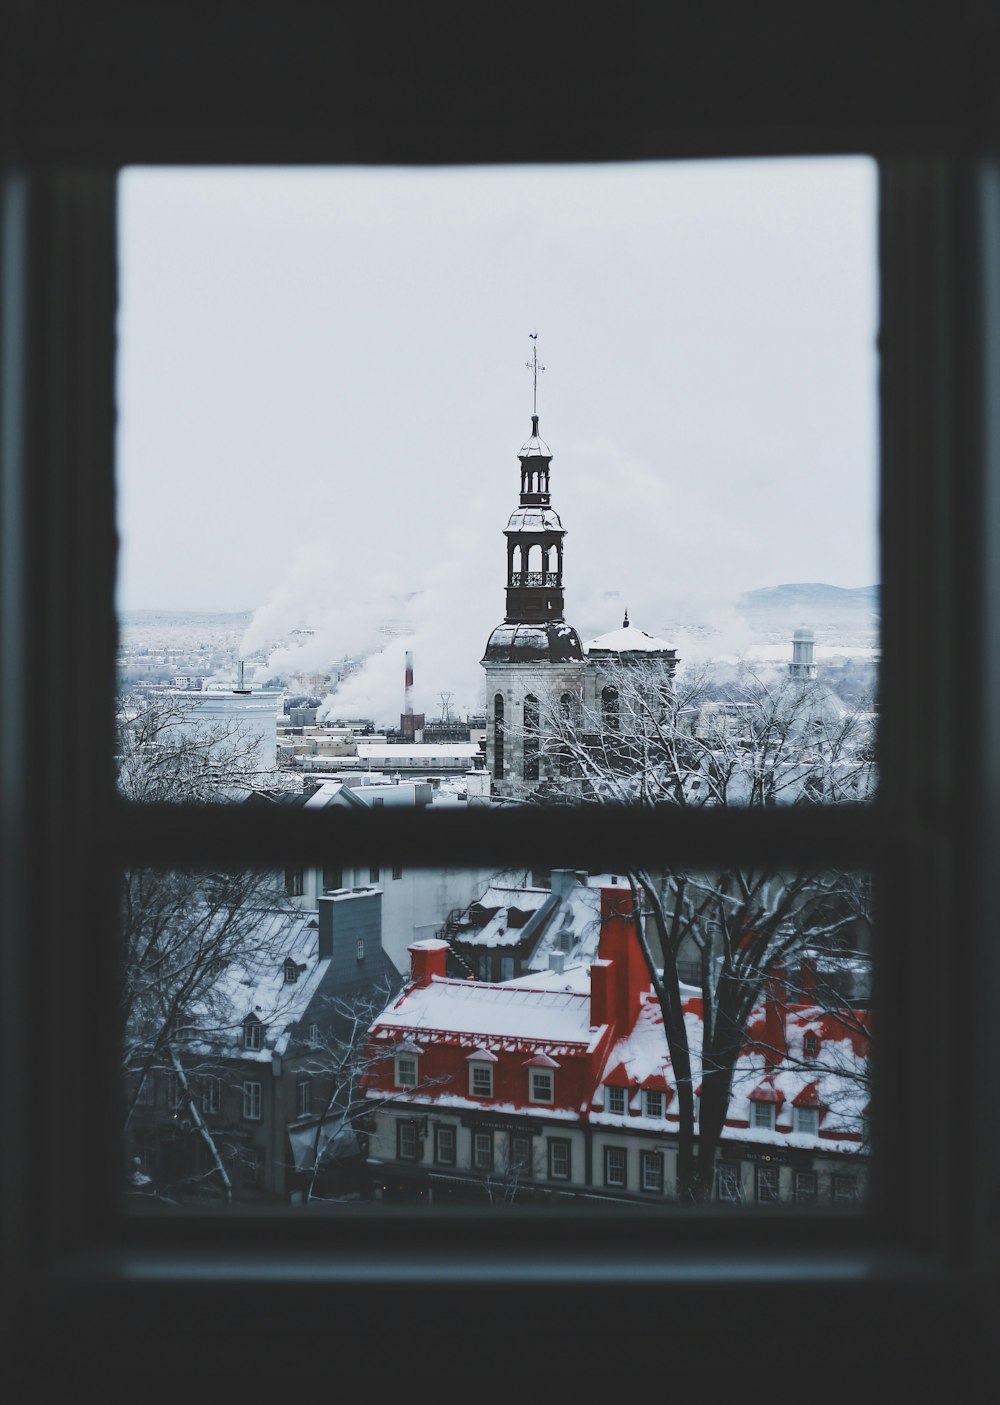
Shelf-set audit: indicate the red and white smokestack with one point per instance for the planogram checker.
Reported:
(408, 693)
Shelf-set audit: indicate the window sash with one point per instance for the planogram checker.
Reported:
(651, 1171)
(444, 1146)
(616, 1167)
(915, 427)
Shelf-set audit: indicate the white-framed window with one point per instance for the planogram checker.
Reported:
(560, 1158)
(810, 1044)
(361, 949)
(767, 1184)
(615, 1167)
(251, 1100)
(406, 1070)
(312, 1035)
(253, 1033)
(482, 1151)
(615, 1101)
(651, 1172)
(653, 1103)
(291, 972)
(762, 1117)
(211, 1093)
(542, 1085)
(444, 1145)
(294, 882)
(397, 870)
(807, 1120)
(480, 1080)
(728, 1182)
(303, 1097)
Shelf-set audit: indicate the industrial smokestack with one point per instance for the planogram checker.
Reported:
(411, 724)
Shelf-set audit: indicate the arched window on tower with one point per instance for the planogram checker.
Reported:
(609, 709)
(531, 738)
(566, 726)
(498, 737)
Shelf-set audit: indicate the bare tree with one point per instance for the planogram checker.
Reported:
(181, 929)
(735, 929)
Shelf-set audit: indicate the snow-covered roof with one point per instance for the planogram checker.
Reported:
(254, 984)
(474, 1009)
(629, 640)
(568, 923)
(832, 1080)
(433, 750)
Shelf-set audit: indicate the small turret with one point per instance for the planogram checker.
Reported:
(803, 664)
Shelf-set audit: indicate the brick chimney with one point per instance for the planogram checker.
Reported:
(619, 976)
(427, 960)
(808, 971)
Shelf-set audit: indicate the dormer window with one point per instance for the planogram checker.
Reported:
(291, 972)
(542, 1085)
(807, 1120)
(653, 1099)
(406, 1070)
(763, 1117)
(615, 1101)
(810, 1045)
(253, 1033)
(481, 1075)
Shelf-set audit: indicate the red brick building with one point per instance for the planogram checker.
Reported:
(559, 1085)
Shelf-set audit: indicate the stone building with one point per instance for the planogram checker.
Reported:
(534, 652)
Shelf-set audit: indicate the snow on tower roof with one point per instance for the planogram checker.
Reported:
(629, 640)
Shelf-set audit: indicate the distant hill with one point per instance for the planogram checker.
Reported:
(812, 596)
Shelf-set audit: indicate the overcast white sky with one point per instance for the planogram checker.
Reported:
(323, 391)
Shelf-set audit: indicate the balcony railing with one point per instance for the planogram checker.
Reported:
(534, 578)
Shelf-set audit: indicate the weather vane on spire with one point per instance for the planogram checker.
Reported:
(536, 368)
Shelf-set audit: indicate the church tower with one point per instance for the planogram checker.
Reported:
(534, 656)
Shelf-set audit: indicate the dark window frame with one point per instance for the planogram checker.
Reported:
(742, 91)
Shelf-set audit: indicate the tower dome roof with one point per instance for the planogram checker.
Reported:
(550, 641)
(534, 446)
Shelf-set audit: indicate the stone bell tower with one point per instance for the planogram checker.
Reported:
(534, 655)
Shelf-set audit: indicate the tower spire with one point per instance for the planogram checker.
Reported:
(536, 368)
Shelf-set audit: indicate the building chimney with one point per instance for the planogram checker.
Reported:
(808, 980)
(408, 687)
(620, 976)
(427, 960)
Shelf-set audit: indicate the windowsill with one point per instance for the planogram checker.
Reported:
(819, 1268)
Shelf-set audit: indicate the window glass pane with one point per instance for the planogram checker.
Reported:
(435, 1069)
(682, 544)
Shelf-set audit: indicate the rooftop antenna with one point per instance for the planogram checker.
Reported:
(536, 368)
